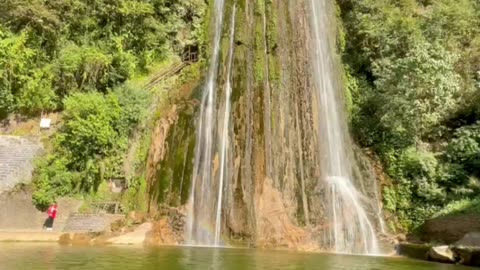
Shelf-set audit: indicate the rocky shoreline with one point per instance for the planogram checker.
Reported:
(164, 231)
(465, 251)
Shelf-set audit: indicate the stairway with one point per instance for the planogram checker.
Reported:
(187, 59)
(172, 70)
(17, 156)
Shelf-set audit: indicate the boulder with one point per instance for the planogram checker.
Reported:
(467, 255)
(446, 230)
(414, 251)
(471, 239)
(441, 254)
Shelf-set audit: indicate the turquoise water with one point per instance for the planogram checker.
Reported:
(49, 257)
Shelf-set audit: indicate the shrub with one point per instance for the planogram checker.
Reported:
(90, 146)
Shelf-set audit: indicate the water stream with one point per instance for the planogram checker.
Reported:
(200, 216)
(350, 231)
(224, 144)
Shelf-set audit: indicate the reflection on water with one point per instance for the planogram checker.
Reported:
(49, 257)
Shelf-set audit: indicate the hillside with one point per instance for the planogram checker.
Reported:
(413, 75)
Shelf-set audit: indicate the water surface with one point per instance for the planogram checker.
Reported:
(49, 257)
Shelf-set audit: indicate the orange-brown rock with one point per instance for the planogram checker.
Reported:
(274, 227)
(162, 234)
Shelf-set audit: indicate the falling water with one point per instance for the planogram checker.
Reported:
(349, 230)
(225, 128)
(204, 217)
(342, 208)
(198, 214)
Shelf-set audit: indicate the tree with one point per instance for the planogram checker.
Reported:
(416, 92)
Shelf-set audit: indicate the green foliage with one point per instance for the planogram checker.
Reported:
(72, 55)
(416, 92)
(50, 49)
(412, 72)
(53, 179)
(15, 60)
(465, 206)
(464, 148)
(90, 146)
(133, 103)
(90, 129)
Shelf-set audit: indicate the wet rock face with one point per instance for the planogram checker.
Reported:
(162, 234)
(274, 227)
(272, 195)
(170, 158)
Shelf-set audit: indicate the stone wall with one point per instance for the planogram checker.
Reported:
(16, 160)
(90, 222)
(19, 214)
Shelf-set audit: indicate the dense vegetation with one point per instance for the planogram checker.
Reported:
(74, 56)
(413, 71)
(91, 145)
(50, 49)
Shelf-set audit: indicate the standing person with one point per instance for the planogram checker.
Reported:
(52, 215)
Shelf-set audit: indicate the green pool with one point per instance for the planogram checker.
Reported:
(47, 257)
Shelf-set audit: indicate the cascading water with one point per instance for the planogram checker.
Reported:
(273, 163)
(349, 230)
(225, 128)
(204, 218)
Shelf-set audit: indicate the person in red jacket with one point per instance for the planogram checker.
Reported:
(52, 215)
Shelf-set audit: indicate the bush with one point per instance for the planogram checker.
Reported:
(465, 148)
(53, 179)
(50, 49)
(413, 75)
(91, 145)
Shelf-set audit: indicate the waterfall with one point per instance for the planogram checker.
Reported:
(225, 128)
(285, 175)
(204, 217)
(350, 230)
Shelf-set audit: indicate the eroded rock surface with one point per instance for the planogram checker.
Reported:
(274, 227)
(162, 234)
